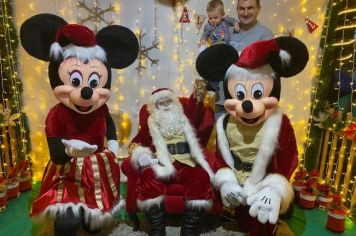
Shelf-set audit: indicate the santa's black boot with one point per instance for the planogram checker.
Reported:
(156, 217)
(191, 220)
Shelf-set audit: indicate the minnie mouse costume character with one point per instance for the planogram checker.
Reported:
(257, 151)
(80, 186)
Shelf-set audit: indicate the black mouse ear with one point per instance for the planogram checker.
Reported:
(38, 33)
(291, 58)
(120, 45)
(213, 62)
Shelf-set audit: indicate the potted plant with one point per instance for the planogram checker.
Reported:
(336, 215)
(24, 176)
(3, 196)
(324, 196)
(12, 185)
(299, 182)
(307, 196)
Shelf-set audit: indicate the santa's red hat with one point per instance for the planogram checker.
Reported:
(78, 41)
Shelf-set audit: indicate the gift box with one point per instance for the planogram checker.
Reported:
(336, 220)
(25, 178)
(307, 199)
(3, 196)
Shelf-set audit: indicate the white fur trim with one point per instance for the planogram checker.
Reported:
(223, 144)
(195, 150)
(199, 204)
(56, 51)
(146, 204)
(285, 58)
(268, 146)
(164, 169)
(282, 186)
(136, 153)
(95, 218)
(225, 175)
(83, 53)
(240, 73)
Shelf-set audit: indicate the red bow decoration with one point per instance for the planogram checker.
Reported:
(13, 173)
(323, 189)
(350, 132)
(314, 173)
(301, 175)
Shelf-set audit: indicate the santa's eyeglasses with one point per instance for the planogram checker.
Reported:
(163, 102)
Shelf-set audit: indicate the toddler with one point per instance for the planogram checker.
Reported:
(217, 28)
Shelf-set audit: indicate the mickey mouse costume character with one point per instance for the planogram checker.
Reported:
(80, 186)
(257, 151)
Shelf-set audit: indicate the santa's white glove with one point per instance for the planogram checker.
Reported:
(145, 160)
(265, 204)
(231, 194)
(78, 148)
(113, 145)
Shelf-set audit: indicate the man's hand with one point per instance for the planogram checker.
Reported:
(78, 148)
(231, 194)
(145, 160)
(265, 204)
(236, 27)
(113, 145)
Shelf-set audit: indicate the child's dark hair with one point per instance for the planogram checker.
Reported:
(215, 4)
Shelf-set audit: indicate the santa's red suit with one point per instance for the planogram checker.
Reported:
(195, 175)
(275, 161)
(89, 183)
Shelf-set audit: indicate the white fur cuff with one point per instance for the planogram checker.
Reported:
(146, 204)
(199, 204)
(225, 175)
(136, 153)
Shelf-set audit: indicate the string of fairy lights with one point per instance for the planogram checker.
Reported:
(8, 64)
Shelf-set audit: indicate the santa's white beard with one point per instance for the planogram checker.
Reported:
(169, 122)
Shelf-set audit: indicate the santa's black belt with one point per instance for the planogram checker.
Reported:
(240, 165)
(178, 148)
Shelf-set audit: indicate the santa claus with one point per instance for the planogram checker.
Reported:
(166, 150)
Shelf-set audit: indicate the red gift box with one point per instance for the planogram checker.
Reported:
(336, 220)
(307, 199)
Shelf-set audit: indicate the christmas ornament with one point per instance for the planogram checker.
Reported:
(350, 132)
(311, 25)
(144, 51)
(198, 20)
(95, 14)
(185, 17)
